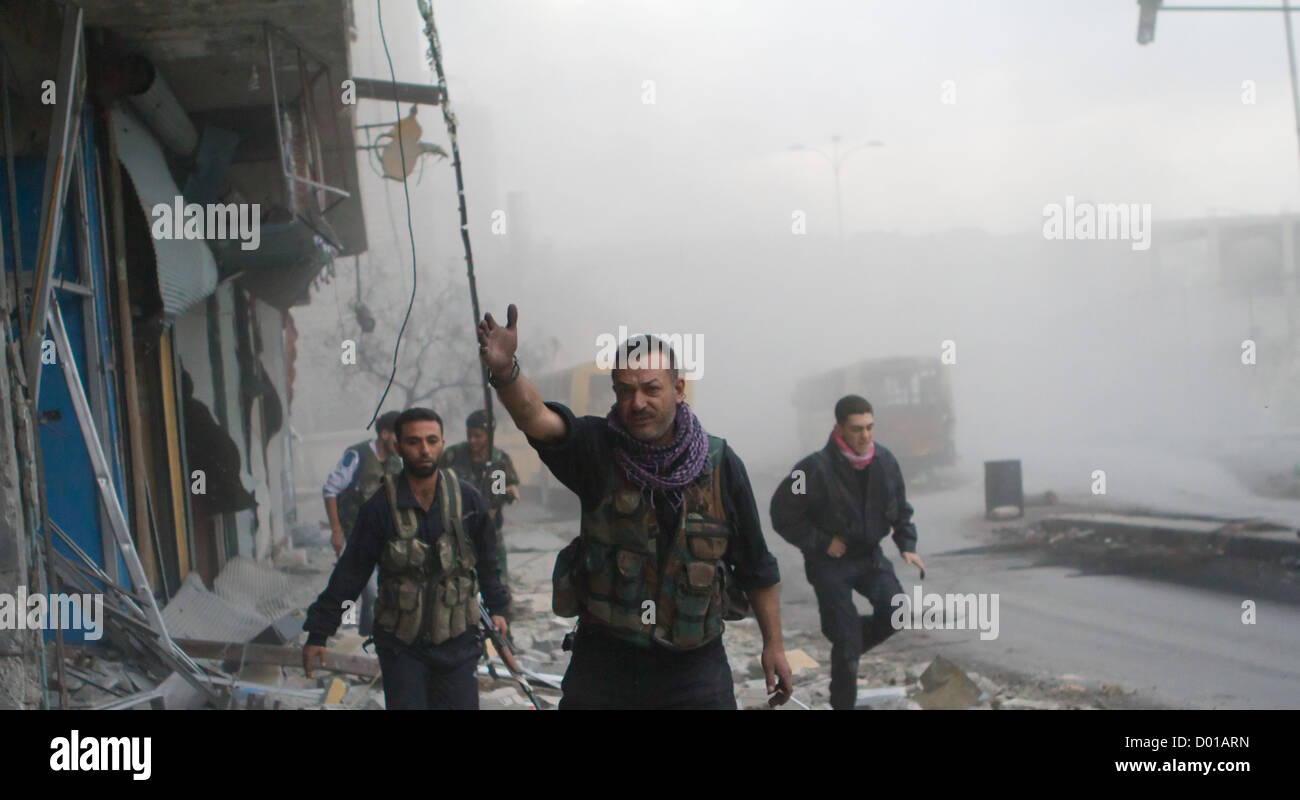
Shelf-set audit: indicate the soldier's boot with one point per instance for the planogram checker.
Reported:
(844, 683)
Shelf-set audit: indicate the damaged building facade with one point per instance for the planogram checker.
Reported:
(148, 368)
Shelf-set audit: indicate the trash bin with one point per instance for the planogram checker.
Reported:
(1003, 486)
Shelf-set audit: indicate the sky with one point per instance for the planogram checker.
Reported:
(650, 147)
(1052, 99)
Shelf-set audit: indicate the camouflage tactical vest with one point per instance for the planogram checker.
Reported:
(479, 473)
(370, 474)
(610, 574)
(427, 592)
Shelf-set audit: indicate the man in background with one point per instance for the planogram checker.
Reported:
(494, 477)
(850, 497)
(356, 477)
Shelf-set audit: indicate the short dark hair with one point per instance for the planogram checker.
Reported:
(387, 421)
(849, 405)
(416, 415)
(479, 419)
(647, 344)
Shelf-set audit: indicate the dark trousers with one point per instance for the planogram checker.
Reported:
(834, 580)
(610, 673)
(425, 679)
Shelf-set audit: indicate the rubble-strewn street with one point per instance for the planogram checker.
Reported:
(1001, 408)
(1082, 631)
(252, 601)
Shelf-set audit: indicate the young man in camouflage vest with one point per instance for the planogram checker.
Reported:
(431, 535)
(471, 462)
(669, 526)
(354, 480)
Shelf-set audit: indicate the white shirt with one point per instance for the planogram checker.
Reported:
(345, 472)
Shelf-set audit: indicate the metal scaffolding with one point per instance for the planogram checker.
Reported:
(137, 607)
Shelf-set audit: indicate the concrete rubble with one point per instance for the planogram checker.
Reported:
(1247, 555)
(252, 600)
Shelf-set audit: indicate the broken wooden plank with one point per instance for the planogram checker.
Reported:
(283, 655)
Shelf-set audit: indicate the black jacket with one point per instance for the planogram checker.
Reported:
(830, 505)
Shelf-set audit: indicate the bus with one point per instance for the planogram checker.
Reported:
(912, 401)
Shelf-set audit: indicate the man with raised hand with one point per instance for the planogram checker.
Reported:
(669, 541)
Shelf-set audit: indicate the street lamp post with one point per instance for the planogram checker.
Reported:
(836, 159)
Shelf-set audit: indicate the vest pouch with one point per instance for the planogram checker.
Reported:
(630, 564)
(386, 611)
(595, 560)
(706, 547)
(393, 558)
(446, 554)
(441, 616)
(627, 503)
(460, 592)
(405, 555)
(700, 577)
(410, 598)
(706, 540)
(617, 521)
(629, 589)
(698, 615)
(599, 572)
(565, 580)
(706, 537)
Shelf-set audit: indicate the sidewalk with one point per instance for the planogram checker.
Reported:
(1257, 539)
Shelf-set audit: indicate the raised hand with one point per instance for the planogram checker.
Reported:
(497, 344)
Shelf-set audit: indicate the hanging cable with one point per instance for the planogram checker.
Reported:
(410, 230)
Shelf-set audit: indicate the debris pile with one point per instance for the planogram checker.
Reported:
(245, 637)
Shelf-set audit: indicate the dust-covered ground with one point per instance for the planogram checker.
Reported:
(888, 678)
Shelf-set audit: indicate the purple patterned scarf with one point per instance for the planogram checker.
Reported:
(669, 468)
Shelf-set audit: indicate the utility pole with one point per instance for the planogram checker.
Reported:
(435, 56)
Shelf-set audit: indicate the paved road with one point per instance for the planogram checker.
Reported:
(1171, 644)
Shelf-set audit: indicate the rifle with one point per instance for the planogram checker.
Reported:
(507, 655)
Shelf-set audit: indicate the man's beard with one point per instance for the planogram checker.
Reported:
(650, 435)
(419, 471)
